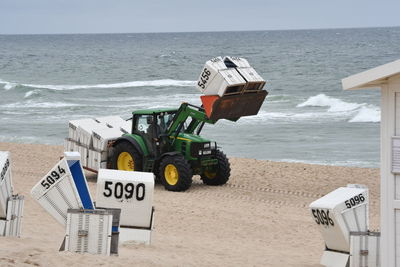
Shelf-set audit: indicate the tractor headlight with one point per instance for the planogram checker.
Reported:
(213, 146)
(201, 149)
(207, 152)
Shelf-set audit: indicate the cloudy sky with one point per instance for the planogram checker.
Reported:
(119, 16)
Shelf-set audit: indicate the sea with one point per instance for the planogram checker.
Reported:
(47, 80)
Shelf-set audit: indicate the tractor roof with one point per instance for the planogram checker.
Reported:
(152, 111)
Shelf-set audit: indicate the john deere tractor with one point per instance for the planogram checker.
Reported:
(167, 142)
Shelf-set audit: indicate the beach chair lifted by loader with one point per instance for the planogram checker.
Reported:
(167, 142)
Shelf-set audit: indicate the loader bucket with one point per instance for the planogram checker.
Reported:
(232, 107)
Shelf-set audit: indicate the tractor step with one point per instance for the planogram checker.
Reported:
(208, 162)
(149, 166)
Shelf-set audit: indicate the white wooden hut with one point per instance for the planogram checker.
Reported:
(387, 78)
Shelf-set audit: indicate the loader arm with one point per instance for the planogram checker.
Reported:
(184, 112)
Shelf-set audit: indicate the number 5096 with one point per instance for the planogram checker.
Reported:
(322, 217)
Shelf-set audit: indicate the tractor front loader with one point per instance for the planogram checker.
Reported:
(167, 142)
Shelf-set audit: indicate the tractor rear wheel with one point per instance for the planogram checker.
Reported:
(175, 173)
(125, 157)
(220, 174)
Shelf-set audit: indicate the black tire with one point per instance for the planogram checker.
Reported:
(221, 173)
(156, 171)
(184, 173)
(131, 150)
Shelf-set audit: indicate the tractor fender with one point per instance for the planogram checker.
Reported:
(132, 141)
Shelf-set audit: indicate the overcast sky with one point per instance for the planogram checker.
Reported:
(119, 16)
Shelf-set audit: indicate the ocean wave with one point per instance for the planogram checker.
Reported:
(309, 115)
(147, 99)
(153, 83)
(20, 139)
(279, 98)
(32, 93)
(7, 85)
(334, 104)
(348, 163)
(290, 117)
(31, 104)
(367, 114)
(353, 112)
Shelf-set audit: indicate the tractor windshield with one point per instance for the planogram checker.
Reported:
(164, 120)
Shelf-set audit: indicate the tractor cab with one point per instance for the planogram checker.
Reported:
(152, 126)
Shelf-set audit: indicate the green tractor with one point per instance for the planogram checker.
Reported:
(167, 143)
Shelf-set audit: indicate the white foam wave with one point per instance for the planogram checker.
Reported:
(367, 114)
(188, 97)
(354, 163)
(334, 104)
(290, 117)
(352, 112)
(30, 104)
(32, 93)
(9, 86)
(19, 139)
(279, 98)
(153, 83)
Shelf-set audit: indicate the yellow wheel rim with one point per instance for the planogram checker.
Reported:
(171, 174)
(210, 175)
(125, 162)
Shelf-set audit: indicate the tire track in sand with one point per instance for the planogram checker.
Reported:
(276, 197)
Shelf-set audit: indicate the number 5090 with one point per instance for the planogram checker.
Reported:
(127, 191)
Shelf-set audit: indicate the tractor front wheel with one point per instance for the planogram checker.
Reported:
(125, 157)
(175, 173)
(220, 173)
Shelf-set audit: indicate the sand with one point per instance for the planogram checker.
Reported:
(260, 218)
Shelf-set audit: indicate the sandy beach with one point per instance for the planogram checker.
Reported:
(260, 218)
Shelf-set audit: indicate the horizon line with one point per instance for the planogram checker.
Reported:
(216, 31)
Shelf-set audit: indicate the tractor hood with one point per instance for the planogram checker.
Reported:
(191, 138)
